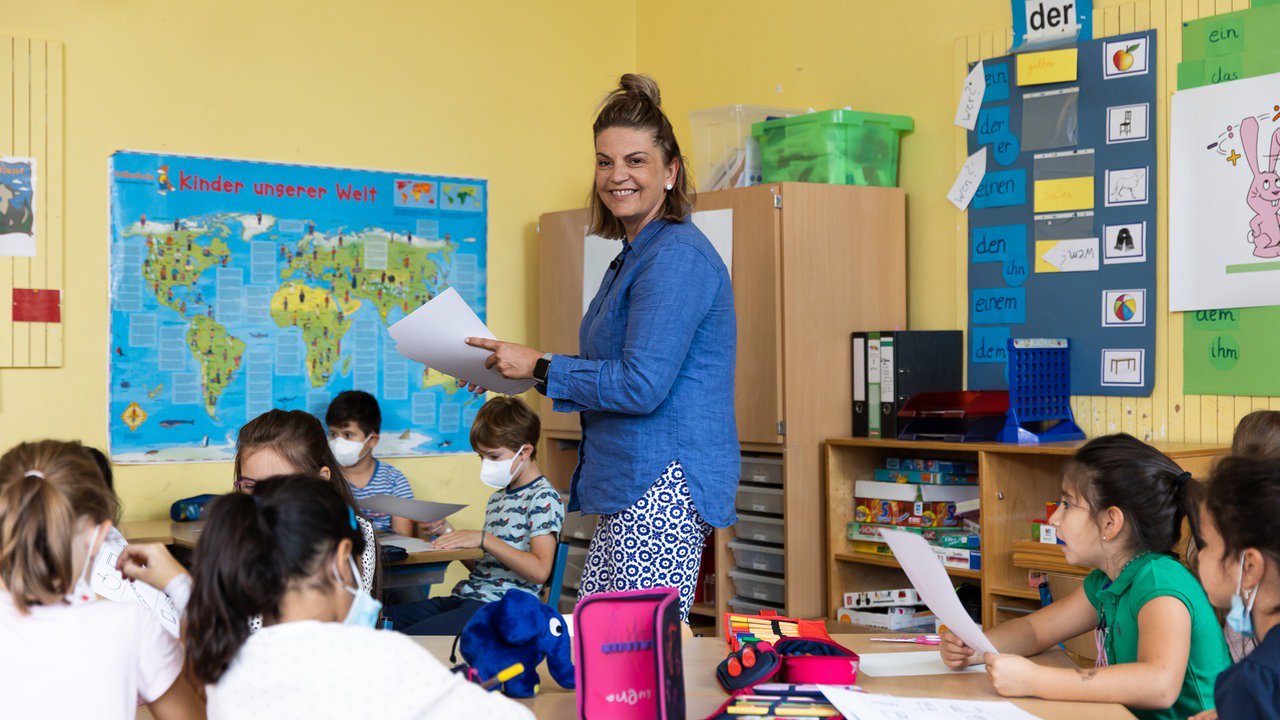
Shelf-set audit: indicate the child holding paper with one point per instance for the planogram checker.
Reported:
(1160, 648)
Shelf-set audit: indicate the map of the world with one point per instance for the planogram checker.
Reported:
(238, 287)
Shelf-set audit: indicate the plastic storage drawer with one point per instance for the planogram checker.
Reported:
(751, 607)
(759, 528)
(759, 499)
(764, 558)
(579, 526)
(755, 586)
(762, 470)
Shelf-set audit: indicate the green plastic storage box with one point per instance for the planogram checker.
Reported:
(839, 147)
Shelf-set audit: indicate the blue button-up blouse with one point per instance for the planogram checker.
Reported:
(654, 381)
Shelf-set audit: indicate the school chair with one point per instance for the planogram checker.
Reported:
(556, 582)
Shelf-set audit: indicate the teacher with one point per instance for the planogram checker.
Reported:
(654, 382)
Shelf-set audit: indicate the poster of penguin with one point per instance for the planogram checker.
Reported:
(1224, 204)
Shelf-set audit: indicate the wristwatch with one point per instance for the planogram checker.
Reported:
(540, 370)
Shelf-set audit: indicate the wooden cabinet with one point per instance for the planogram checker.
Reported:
(811, 264)
(1014, 483)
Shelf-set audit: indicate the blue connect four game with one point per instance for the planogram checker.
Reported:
(1039, 392)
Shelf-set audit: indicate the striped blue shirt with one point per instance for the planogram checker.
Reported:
(386, 480)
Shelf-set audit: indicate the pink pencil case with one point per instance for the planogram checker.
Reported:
(629, 661)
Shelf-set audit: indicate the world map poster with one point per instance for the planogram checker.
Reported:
(238, 287)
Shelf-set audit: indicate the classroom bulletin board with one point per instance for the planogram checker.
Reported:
(1170, 413)
(1062, 228)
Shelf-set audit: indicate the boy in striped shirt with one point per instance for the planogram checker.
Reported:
(354, 421)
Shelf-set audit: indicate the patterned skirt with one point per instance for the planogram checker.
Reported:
(657, 542)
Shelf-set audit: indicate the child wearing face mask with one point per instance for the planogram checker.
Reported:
(64, 653)
(354, 421)
(521, 524)
(287, 553)
(1160, 647)
(1239, 566)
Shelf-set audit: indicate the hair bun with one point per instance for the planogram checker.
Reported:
(641, 87)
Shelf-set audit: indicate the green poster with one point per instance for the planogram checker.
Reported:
(1231, 352)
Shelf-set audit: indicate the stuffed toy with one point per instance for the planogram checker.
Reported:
(518, 629)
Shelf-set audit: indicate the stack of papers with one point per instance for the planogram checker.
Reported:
(868, 706)
(436, 336)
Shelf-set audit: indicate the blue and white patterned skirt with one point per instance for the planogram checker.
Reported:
(657, 542)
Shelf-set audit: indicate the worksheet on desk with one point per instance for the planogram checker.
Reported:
(869, 706)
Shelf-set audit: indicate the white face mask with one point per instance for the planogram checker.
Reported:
(83, 590)
(497, 474)
(347, 452)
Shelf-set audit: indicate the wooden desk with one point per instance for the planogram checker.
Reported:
(703, 695)
(185, 535)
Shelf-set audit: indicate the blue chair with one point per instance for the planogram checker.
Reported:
(556, 582)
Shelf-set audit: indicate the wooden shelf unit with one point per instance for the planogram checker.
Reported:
(1015, 482)
(812, 263)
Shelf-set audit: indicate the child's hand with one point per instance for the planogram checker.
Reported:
(955, 654)
(1011, 675)
(439, 527)
(458, 540)
(149, 562)
(1205, 715)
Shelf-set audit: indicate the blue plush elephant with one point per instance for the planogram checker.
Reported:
(518, 629)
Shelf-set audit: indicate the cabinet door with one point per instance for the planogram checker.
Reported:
(560, 237)
(757, 301)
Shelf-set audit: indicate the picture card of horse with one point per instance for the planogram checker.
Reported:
(1224, 203)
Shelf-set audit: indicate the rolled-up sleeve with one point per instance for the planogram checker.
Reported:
(667, 304)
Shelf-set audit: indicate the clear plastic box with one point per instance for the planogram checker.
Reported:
(759, 528)
(750, 607)
(762, 558)
(759, 587)
(579, 526)
(762, 470)
(725, 155)
(760, 499)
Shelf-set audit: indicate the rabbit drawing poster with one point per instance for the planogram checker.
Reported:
(1224, 205)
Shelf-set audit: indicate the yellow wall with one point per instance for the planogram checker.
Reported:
(441, 87)
(893, 57)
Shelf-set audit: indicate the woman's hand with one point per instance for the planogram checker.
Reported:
(511, 361)
(1011, 675)
(151, 563)
(458, 540)
(955, 654)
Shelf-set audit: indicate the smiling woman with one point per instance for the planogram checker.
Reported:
(654, 381)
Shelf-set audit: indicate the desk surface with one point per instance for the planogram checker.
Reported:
(703, 695)
(186, 534)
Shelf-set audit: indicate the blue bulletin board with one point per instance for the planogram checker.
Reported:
(1062, 229)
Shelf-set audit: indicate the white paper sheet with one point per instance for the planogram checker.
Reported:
(870, 706)
(598, 252)
(930, 580)
(409, 544)
(436, 336)
(108, 582)
(717, 225)
(970, 177)
(419, 510)
(975, 86)
(908, 664)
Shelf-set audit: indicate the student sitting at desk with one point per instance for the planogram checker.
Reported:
(1160, 647)
(1240, 568)
(354, 421)
(287, 554)
(521, 524)
(64, 654)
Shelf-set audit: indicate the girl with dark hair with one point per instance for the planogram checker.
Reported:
(66, 655)
(288, 442)
(1240, 568)
(286, 553)
(654, 384)
(1160, 648)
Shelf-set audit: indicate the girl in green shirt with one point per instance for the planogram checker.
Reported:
(1160, 647)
